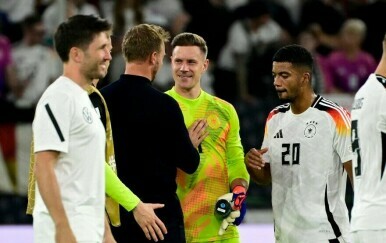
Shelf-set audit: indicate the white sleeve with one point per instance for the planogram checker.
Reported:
(381, 123)
(342, 136)
(51, 124)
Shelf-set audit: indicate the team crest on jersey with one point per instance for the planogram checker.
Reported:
(310, 130)
(87, 115)
(213, 120)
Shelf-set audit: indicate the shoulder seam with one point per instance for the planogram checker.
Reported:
(327, 103)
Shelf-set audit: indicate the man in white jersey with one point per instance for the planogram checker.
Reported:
(305, 150)
(69, 139)
(368, 222)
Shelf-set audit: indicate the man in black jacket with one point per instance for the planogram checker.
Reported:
(150, 138)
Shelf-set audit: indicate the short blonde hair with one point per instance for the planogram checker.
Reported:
(140, 41)
(355, 26)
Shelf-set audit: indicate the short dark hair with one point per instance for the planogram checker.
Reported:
(295, 54)
(190, 39)
(78, 31)
(142, 40)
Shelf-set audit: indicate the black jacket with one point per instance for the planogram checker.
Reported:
(151, 142)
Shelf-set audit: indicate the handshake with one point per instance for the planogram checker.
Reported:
(231, 208)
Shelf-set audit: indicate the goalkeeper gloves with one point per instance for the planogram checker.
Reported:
(231, 207)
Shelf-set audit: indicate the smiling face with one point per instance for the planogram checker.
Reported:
(188, 65)
(97, 57)
(289, 80)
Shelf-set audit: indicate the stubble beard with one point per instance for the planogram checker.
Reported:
(284, 100)
(154, 71)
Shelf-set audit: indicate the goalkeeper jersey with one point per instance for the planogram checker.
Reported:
(306, 152)
(369, 146)
(221, 161)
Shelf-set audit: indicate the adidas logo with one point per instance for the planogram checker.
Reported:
(279, 134)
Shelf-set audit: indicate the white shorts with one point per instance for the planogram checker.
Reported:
(373, 236)
(44, 230)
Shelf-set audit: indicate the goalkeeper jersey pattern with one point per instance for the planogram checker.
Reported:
(221, 161)
(306, 152)
(369, 146)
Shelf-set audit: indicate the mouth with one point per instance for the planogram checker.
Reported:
(184, 76)
(279, 91)
(105, 64)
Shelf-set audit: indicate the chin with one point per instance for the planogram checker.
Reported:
(285, 99)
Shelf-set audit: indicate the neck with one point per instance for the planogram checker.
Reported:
(192, 93)
(351, 53)
(139, 68)
(381, 68)
(28, 42)
(303, 102)
(73, 73)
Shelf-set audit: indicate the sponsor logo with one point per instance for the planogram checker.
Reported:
(279, 134)
(87, 115)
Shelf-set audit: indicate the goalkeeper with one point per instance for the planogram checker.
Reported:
(214, 130)
(117, 192)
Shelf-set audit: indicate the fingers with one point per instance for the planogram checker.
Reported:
(254, 158)
(198, 132)
(161, 225)
(201, 126)
(151, 225)
(156, 205)
(157, 229)
(223, 227)
(263, 150)
(193, 126)
(234, 214)
(160, 229)
(198, 125)
(221, 231)
(154, 231)
(146, 231)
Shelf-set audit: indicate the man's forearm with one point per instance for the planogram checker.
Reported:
(261, 177)
(49, 187)
(348, 167)
(108, 235)
(118, 191)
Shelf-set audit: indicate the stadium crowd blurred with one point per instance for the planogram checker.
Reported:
(343, 35)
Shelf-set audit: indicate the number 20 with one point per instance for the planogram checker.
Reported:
(293, 150)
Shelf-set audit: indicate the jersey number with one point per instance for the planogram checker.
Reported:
(355, 146)
(290, 153)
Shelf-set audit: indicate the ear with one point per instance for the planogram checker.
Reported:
(76, 54)
(153, 58)
(306, 78)
(206, 65)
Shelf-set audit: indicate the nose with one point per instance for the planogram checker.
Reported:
(108, 56)
(184, 67)
(276, 81)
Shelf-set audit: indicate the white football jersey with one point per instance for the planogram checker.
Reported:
(66, 121)
(369, 146)
(306, 152)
